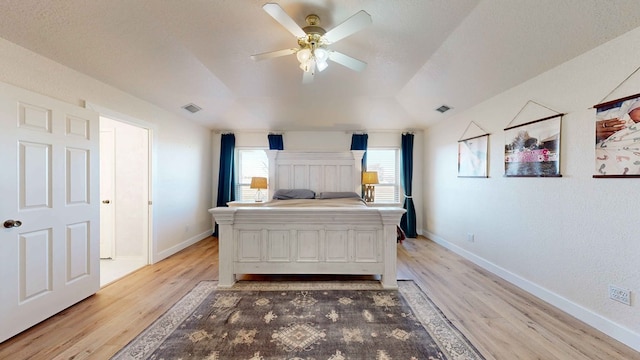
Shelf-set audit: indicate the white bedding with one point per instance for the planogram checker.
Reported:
(344, 202)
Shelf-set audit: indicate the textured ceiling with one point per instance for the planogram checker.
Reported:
(420, 54)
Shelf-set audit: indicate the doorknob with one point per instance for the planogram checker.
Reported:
(12, 223)
(105, 201)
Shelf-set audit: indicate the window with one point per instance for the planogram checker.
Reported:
(385, 162)
(250, 163)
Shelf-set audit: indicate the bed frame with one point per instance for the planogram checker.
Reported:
(309, 240)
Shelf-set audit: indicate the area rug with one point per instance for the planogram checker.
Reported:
(302, 321)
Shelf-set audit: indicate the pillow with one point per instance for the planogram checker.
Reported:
(287, 194)
(338, 195)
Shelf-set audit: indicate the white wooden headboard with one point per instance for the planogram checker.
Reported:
(318, 171)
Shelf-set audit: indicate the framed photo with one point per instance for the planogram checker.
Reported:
(533, 149)
(472, 156)
(618, 138)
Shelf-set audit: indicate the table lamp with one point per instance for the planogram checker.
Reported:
(369, 178)
(258, 183)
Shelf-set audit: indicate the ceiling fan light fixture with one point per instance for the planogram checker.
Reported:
(311, 58)
(308, 65)
(304, 55)
(322, 65)
(321, 54)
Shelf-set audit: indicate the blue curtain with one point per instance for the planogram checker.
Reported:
(226, 181)
(408, 221)
(359, 142)
(275, 142)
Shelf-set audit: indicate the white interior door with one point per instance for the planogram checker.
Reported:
(49, 208)
(107, 193)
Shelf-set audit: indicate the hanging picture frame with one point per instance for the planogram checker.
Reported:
(533, 149)
(617, 138)
(472, 156)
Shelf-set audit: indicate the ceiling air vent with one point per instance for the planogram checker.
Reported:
(192, 108)
(443, 108)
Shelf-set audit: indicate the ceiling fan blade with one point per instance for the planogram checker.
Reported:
(347, 61)
(307, 76)
(273, 54)
(284, 19)
(355, 23)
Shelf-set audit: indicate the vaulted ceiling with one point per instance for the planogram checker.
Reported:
(420, 54)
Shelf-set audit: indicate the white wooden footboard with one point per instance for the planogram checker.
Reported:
(267, 240)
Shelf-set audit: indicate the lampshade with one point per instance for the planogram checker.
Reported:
(308, 65)
(322, 65)
(303, 55)
(370, 177)
(321, 55)
(258, 183)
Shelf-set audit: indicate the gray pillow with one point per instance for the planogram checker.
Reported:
(287, 194)
(338, 195)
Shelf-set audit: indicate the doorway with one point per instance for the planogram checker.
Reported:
(124, 194)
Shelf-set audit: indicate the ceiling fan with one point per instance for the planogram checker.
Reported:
(312, 51)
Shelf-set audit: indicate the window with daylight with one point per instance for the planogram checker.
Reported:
(386, 163)
(250, 163)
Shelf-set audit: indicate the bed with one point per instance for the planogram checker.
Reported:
(342, 236)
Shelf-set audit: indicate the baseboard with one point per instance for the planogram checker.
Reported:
(131, 258)
(181, 246)
(616, 331)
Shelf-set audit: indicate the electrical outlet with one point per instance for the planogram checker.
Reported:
(470, 237)
(619, 294)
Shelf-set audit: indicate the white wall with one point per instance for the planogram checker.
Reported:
(334, 141)
(563, 239)
(182, 150)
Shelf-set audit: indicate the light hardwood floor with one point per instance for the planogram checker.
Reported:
(502, 321)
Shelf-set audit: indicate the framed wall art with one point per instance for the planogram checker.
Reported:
(533, 149)
(472, 156)
(617, 137)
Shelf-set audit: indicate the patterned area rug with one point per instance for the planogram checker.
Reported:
(302, 321)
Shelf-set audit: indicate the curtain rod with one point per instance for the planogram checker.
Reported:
(282, 132)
